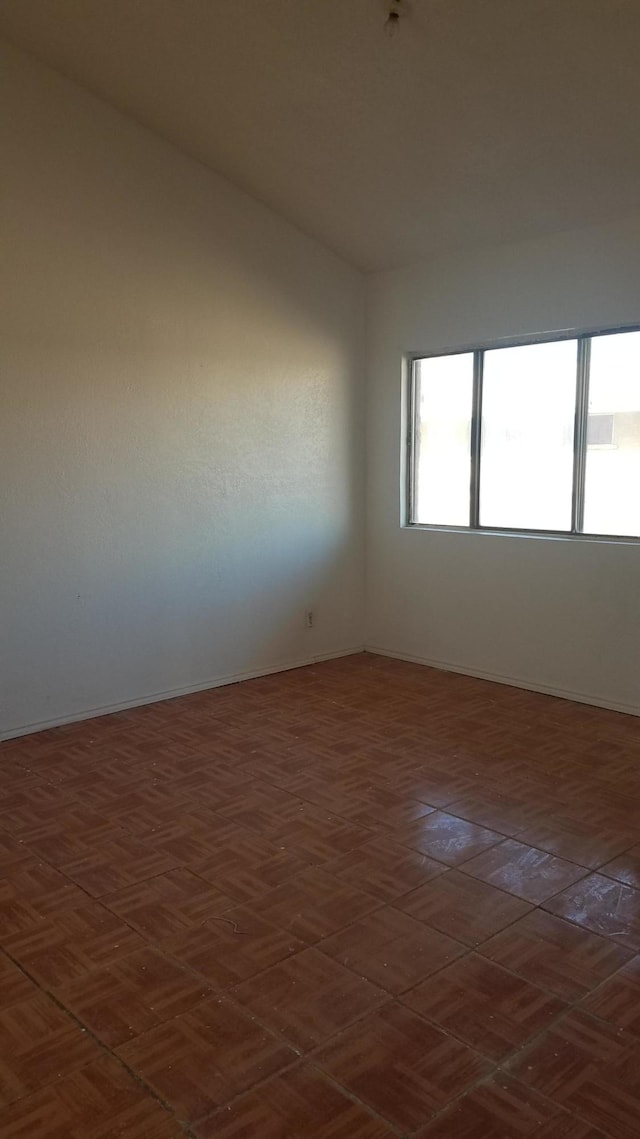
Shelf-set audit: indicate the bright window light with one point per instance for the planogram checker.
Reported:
(541, 437)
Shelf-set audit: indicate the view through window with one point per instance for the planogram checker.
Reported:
(535, 437)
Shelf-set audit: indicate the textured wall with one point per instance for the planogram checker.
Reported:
(180, 452)
(562, 615)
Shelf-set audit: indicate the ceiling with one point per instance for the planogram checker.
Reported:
(480, 122)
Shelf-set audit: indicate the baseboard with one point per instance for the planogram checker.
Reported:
(173, 693)
(252, 674)
(512, 681)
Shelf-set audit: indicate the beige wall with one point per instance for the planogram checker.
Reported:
(180, 436)
(180, 452)
(557, 614)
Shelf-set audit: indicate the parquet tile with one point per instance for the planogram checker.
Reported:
(524, 871)
(385, 869)
(401, 1066)
(591, 1069)
(625, 868)
(309, 998)
(31, 891)
(468, 910)
(39, 1044)
(357, 900)
(500, 812)
(568, 1127)
(245, 865)
(618, 1000)
(301, 1104)
(184, 836)
(563, 958)
(59, 836)
(117, 864)
(502, 1108)
(447, 838)
(261, 807)
(12, 851)
(315, 835)
(168, 904)
(101, 1101)
(27, 806)
(132, 995)
(233, 947)
(418, 780)
(376, 807)
(604, 906)
(579, 842)
(492, 1010)
(314, 904)
(204, 1058)
(71, 943)
(15, 986)
(392, 949)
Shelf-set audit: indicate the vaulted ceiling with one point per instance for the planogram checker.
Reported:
(481, 121)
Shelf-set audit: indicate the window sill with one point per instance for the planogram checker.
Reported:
(544, 535)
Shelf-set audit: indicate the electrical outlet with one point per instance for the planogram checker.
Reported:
(308, 618)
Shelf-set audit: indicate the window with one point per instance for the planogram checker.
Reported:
(600, 430)
(541, 437)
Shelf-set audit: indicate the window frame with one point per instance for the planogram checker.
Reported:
(583, 337)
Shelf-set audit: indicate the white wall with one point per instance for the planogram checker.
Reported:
(180, 453)
(560, 615)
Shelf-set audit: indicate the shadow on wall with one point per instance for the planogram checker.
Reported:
(181, 450)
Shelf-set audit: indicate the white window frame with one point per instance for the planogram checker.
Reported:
(583, 339)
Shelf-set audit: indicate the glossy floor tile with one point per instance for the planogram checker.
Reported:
(358, 900)
(625, 868)
(314, 904)
(447, 838)
(462, 907)
(233, 947)
(205, 1057)
(309, 998)
(486, 1006)
(564, 958)
(618, 1000)
(505, 1109)
(71, 944)
(524, 871)
(403, 1067)
(15, 986)
(604, 906)
(132, 995)
(589, 1068)
(392, 949)
(385, 869)
(39, 1044)
(99, 1101)
(301, 1104)
(577, 841)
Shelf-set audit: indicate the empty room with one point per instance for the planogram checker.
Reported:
(319, 569)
